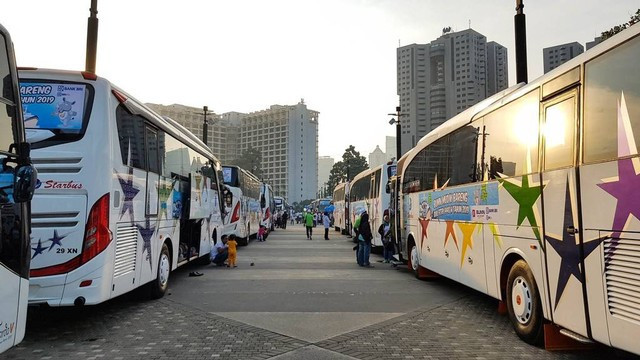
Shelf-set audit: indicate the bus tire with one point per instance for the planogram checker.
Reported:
(523, 303)
(159, 286)
(413, 263)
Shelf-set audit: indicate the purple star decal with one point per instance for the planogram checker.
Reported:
(625, 188)
(130, 191)
(146, 232)
(56, 240)
(38, 249)
(569, 250)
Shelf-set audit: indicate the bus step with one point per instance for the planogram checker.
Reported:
(558, 339)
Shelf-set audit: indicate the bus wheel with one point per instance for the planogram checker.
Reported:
(523, 303)
(159, 286)
(414, 263)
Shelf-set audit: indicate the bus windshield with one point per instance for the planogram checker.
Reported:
(62, 108)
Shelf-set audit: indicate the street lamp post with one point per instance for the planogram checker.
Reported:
(396, 198)
(92, 38)
(205, 125)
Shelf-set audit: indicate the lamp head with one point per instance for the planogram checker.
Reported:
(392, 121)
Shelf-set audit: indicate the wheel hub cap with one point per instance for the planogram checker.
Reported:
(521, 300)
(414, 258)
(164, 269)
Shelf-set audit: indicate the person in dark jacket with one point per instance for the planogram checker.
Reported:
(364, 241)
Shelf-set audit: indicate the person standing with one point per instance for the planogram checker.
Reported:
(364, 241)
(285, 217)
(385, 233)
(327, 223)
(308, 222)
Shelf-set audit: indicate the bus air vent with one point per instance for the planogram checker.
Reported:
(126, 246)
(622, 275)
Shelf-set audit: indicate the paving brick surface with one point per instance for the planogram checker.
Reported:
(469, 328)
(130, 329)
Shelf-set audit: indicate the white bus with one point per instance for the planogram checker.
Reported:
(279, 203)
(243, 213)
(124, 196)
(532, 198)
(341, 207)
(17, 183)
(368, 191)
(268, 205)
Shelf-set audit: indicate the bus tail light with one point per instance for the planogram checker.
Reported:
(97, 235)
(267, 214)
(236, 213)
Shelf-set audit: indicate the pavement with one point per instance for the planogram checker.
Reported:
(289, 298)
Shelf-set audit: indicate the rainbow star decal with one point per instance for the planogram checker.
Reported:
(526, 197)
(467, 238)
(625, 187)
(450, 231)
(164, 191)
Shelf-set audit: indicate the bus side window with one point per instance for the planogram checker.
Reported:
(7, 106)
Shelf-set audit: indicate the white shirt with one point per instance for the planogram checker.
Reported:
(326, 221)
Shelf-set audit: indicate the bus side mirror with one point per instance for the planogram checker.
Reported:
(25, 183)
(263, 202)
(388, 189)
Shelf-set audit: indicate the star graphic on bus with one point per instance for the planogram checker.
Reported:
(130, 191)
(56, 239)
(450, 231)
(526, 197)
(147, 232)
(467, 238)
(164, 191)
(424, 225)
(569, 250)
(38, 249)
(625, 187)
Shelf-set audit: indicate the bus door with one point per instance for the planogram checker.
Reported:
(372, 208)
(566, 297)
(17, 183)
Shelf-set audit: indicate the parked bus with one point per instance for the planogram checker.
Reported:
(124, 196)
(531, 198)
(341, 207)
(242, 203)
(319, 204)
(268, 205)
(368, 191)
(280, 203)
(17, 183)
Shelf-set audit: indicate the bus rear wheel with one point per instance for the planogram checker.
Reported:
(159, 286)
(523, 303)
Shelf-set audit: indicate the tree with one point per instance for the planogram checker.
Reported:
(250, 160)
(635, 18)
(351, 165)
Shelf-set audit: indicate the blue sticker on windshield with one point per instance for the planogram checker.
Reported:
(52, 106)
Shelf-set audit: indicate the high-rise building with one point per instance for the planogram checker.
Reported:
(192, 118)
(325, 164)
(555, 56)
(390, 147)
(597, 40)
(440, 79)
(377, 157)
(286, 136)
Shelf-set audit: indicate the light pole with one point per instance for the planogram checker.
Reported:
(92, 38)
(396, 197)
(521, 43)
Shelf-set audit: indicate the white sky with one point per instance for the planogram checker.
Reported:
(245, 55)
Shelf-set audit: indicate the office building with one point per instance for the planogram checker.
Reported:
(286, 136)
(596, 41)
(390, 147)
(377, 157)
(325, 164)
(440, 79)
(555, 56)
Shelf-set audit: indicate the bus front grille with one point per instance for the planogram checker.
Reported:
(126, 247)
(622, 275)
